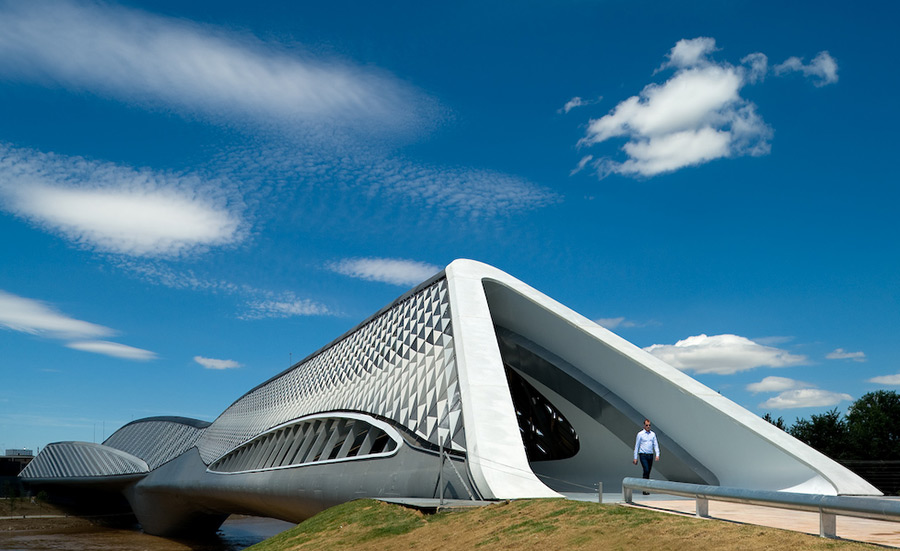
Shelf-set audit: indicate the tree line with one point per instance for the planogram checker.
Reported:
(869, 431)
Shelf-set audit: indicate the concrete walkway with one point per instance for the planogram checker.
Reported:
(848, 528)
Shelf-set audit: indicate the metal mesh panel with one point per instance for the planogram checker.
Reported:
(81, 459)
(401, 365)
(157, 440)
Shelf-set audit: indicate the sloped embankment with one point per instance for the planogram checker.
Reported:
(546, 524)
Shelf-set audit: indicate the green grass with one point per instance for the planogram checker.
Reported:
(531, 524)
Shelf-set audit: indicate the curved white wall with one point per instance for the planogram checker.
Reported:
(736, 446)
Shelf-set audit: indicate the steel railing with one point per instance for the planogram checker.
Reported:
(828, 507)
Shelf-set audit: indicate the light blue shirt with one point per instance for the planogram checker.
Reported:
(646, 443)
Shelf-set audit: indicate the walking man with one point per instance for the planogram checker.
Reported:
(646, 448)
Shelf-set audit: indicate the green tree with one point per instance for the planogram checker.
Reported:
(777, 422)
(873, 424)
(827, 432)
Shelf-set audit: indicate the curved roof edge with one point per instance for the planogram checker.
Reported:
(195, 423)
(66, 460)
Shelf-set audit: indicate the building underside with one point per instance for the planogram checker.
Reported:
(473, 385)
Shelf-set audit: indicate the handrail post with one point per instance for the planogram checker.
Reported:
(600, 492)
(626, 494)
(702, 507)
(827, 525)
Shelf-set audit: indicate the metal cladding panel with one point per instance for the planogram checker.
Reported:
(401, 365)
(81, 459)
(157, 440)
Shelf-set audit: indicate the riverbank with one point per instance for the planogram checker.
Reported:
(42, 527)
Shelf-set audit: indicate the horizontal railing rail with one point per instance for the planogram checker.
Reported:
(828, 507)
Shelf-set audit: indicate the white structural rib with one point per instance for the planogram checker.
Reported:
(496, 456)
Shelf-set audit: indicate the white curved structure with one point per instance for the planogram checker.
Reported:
(472, 385)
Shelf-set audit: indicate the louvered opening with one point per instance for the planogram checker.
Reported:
(308, 442)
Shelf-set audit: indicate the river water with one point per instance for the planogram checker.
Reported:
(235, 534)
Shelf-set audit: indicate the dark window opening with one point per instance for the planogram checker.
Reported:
(546, 434)
(380, 443)
(357, 443)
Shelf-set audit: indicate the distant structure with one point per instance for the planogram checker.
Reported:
(14, 461)
(472, 385)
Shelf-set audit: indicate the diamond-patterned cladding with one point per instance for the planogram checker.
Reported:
(400, 365)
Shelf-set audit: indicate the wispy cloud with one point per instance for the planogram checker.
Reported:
(387, 270)
(822, 69)
(722, 354)
(696, 116)
(581, 164)
(777, 384)
(113, 349)
(38, 318)
(465, 192)
(805, 398)
(613, 323)
(116, 209)
(137, 57)
(212, 363)
(892, 380)
(257, 303)
(198, 70)
(577, 102)
(283, 305)
(841, 354)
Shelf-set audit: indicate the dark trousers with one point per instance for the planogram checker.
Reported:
(646, 463)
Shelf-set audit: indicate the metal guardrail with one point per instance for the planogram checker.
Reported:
(828, 507)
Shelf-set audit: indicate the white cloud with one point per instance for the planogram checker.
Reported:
(805, 398)
(841, 354)
(116, 209)
(387, 270)
(135, 56)
(113, 349)
(758, 67)
(822, 69)
(776, 384)
(212, 363)
(722, 354)
(673, 151)
(893, 380)
(696, 116)
(572, 104)
(37, 318)
(689, 100)
(690, 52)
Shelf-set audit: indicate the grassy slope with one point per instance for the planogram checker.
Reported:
(536, 524)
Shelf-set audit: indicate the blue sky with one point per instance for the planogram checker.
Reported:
(192, 195)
